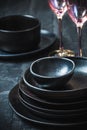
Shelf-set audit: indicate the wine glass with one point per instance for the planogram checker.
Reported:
(60, 7)
(79, 17)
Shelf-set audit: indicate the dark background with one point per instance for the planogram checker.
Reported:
(11, 72)
(41, 10)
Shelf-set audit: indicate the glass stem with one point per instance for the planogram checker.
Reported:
(60, 34)
(79, 31)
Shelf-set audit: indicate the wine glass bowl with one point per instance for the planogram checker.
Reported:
(79, 16)
(60, 7)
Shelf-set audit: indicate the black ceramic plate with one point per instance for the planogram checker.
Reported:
(47, 40)
(75, 89)
(31, 97)
(50, 115)
(25, 113)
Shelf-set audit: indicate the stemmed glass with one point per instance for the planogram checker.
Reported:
(60, 7)
(79, 17)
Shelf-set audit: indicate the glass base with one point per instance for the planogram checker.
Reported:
(62, 53)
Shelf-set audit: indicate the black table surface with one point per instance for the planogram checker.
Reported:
(11, 71)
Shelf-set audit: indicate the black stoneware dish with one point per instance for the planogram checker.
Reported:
(75, 89)
(19, 33)
(28, 97)
(51, 114)
(52, 72)
(29, 115)
(47, 41)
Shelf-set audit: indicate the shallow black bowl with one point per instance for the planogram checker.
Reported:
(74, 90)
(51, 72)
(19, 33)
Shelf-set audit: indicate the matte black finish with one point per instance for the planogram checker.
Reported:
(76, 87)
(19, 33)
(11, 70)
(51, 114)
(27, 114)
(47, 41)
(60, 105)
(52, 72)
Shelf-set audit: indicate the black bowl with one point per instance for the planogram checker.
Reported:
(75, 90)
(51, 72)
(19, 33)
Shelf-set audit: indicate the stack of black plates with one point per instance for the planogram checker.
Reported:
(66, 108)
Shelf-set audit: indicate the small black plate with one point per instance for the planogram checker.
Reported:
(47, 40)
(25, 113)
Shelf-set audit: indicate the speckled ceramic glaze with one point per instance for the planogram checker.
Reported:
(51, 72)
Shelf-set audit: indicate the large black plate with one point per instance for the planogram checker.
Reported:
(75, 89)
(25, 113)
(53, 113)
(47, 40)
(59, 115)
(31, 98)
